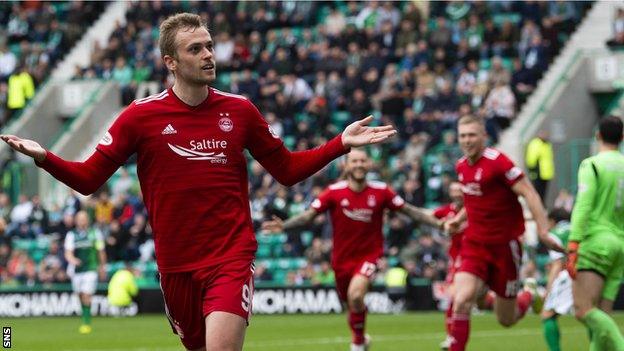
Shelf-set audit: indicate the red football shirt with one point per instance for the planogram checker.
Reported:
(193, 172)
(357, 219)
(494, 212)
(447, 212)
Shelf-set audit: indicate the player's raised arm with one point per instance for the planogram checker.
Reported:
(85, 177)
(421, 215)
(289, 168)
(525, 189)
(277, 225)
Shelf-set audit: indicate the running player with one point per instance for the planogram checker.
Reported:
(190, 141)
(356, 207)
(559, 286)
(596, 246)
(448, 212)
(491, 252)
(84, 252)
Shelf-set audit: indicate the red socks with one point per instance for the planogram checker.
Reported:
(449, 318)
(460, 331)
(524, 301)
(488, 300)
(356, 323)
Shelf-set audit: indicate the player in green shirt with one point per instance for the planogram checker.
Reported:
(596, 243)
(84, 251)
(558, 299)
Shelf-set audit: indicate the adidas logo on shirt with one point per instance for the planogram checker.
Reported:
(169, 130)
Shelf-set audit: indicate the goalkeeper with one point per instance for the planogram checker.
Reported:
(596, 242)
(122, 288)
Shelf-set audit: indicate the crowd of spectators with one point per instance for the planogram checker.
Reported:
(34, 35)
(313, 67)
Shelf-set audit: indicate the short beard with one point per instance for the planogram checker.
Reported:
(350, 176)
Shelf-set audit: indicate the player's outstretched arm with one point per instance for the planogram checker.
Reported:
(525, 189)
(85, 177)
(421, 215)
(278, 226)
(289, 168)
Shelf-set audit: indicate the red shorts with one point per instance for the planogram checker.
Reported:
(345, 273)
(498, 265)
(191, 296)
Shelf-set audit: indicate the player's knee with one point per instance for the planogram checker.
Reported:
(462, 306)
(462, 303)
(356, 302)
(580, 310)
(506, 321)
(223, 346)
(547, 314)
(579, 313)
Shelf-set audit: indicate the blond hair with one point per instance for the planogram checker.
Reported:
(170, 27)
(469, 119)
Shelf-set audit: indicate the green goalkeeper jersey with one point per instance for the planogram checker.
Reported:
(599, 208)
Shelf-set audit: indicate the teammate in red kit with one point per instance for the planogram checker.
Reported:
(448, 212)
(356, 208)
(491, 252)
(189, 140)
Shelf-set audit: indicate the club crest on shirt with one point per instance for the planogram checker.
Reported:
(371, 201)
(479, 174)
(225, 123)
(344, 203)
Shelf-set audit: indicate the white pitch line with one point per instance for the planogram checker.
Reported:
(376, 339)
(402, 337)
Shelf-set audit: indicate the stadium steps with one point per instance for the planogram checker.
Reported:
(591, 34)
(100, 31)
(75, 140)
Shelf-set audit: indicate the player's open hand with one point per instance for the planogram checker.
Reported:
(451, 226)
(274, 226)
(27, 147)
(359, 133)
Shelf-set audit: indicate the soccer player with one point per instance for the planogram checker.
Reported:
(596, 245)
(559, 285)
(491, 252)
(84, 252)
(190, 141)
(448, 212)
(122, 288)
(356, 208)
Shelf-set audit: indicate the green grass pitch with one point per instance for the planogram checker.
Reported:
(410, 331)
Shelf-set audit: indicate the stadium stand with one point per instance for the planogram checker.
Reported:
(311, 68)
(35, 36)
